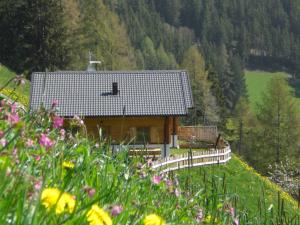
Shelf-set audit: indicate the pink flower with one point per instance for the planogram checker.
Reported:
(58, 122)
(169, 183)
(156, 179)
(90, 191)
(3, 142)
(150, 163)
(13, 118)
(46, 141)
(15, 152)
(232, 211)
(38, 158)
(116, 210)
(177, 192)
(62, 134)
(38, 185)
(199, 216)
(29, 143)
(54, 103)
(13, 108)
(236, 221)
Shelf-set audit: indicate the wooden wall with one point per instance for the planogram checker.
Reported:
(124, 128)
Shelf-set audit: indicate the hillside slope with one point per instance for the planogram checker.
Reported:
(252, 193)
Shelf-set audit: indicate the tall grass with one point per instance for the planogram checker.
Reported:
(38, 155)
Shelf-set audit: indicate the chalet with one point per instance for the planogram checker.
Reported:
(136, 107)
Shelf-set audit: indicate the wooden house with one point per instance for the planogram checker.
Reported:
(141, 108)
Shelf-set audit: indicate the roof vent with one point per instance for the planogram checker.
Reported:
(115, 90)
(92, 67)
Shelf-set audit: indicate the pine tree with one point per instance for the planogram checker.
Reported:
(205, 104)
(279, 119)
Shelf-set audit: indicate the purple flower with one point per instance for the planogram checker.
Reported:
(3, 142)
(169, 183)
(90, 191)
(156, 179)
(58, 122)
(116, 210)
(46, 141)
(29, 143)
(13, 118)
(54, 103)
(150, 163)
(143, 174)
(13, 108)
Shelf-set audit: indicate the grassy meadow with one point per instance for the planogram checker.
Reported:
(50, 175)
(256, 82)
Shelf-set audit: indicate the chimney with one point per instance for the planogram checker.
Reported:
(115, 90)
(92, 64)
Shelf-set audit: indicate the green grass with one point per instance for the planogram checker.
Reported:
(256, 82)
(20, 93)
(239, 179)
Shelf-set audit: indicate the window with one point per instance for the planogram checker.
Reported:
(142, 135)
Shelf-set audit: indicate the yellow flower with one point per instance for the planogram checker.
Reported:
(97, 216)
(63, 201)
(68, 165)
(153, 219)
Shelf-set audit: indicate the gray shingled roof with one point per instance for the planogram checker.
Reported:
(89, 93)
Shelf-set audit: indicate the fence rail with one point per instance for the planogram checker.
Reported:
(194, 159)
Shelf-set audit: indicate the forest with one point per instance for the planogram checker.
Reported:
(215, 40)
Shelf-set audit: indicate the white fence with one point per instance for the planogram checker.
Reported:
(200, 158)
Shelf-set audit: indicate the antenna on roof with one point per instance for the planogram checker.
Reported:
(92, 64)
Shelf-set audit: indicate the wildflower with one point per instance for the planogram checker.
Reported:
(58, 122)
(156, 179)
(97, 216)
(29, 143)
(13, 108)
(169, 183)
(90, 191)
(231, 211)
(38, 158)
(68, 165)
(3, 142)
(150, 163)
(46, 141)
(1, 134)
(54, 103)
(199, 216)
(63, 201)
(13, 118)
(62, 134)
(116, 210)
(38, 185)
(143, 174)
(177, 192)
(153, 219)
(236, 221)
